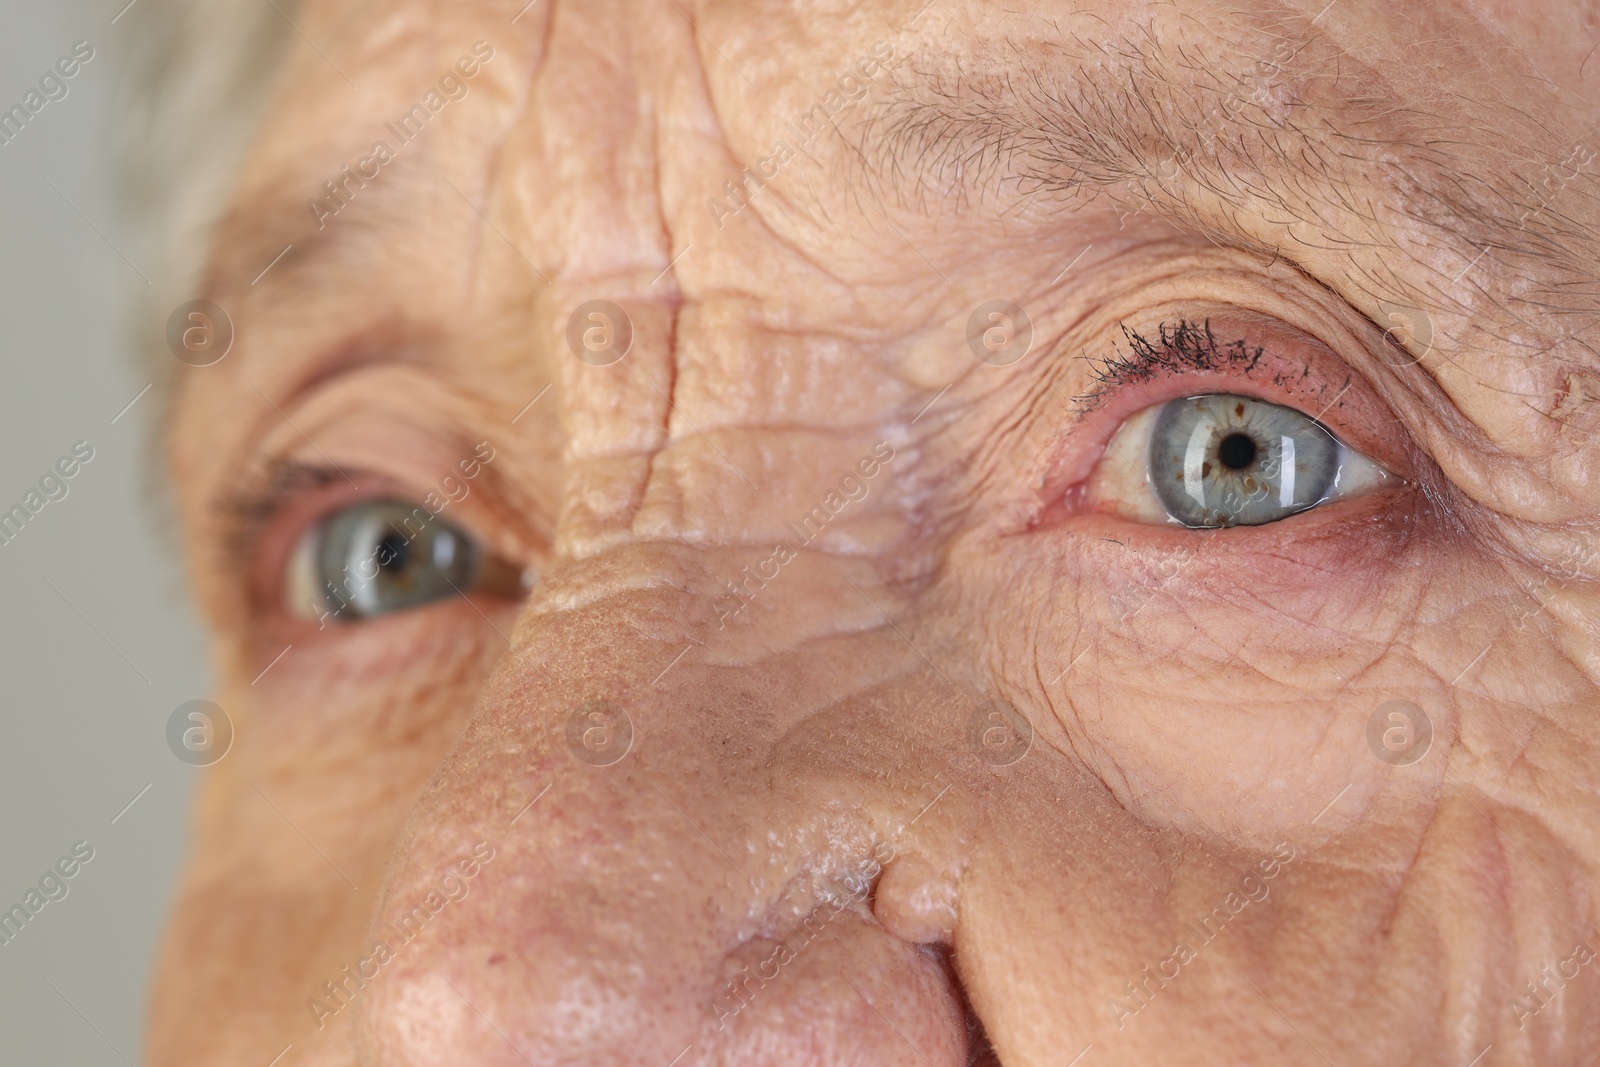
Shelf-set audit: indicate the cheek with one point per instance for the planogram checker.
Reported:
(1260, 655)
(365, 693)
(364, 715)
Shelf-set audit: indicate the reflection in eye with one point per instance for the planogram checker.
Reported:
(1224, 460)
(380, 556)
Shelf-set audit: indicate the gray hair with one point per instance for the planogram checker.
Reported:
(201, 72)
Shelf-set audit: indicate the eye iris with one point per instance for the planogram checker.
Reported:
(1237, 451)
(1223, 460)
(382, 556)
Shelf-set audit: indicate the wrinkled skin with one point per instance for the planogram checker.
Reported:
(1199, 700)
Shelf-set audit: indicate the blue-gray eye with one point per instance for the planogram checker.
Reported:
(1220, 460)
(1224, 460)
(381, 556)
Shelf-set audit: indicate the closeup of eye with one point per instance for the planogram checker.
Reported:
(381, 556)
(1219, 459)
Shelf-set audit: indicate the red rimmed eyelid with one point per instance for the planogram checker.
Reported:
(1300, 374)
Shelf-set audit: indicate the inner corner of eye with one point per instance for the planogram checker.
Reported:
(1216, 460)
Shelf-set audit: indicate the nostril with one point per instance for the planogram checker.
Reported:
(980, 1051)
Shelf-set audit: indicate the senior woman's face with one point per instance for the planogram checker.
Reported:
(768, 533)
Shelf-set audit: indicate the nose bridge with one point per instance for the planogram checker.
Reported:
(697, 383)
(656, 828)
(624, 681)
(578, 178)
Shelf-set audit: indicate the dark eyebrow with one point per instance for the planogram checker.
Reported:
(276, 221)
(1167, 131)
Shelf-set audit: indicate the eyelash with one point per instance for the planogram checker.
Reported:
(249, 511)
(1179, 347)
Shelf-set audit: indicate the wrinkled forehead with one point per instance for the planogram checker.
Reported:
(1008, 101)
(923, 147)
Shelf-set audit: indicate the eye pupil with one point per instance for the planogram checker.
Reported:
(393, 552)
(1237, 451)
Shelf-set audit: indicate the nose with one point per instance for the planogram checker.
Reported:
(656, 846)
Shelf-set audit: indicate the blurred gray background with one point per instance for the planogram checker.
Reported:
(99, 642)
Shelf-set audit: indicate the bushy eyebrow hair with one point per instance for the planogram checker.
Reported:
(1165, 129)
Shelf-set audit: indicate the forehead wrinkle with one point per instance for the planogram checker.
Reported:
(1377, 171)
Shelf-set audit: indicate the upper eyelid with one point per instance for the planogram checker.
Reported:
(393, 424)
(1280, 362)
(1295, 368)
(300, 377)
(247, 510)
(439, 425)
